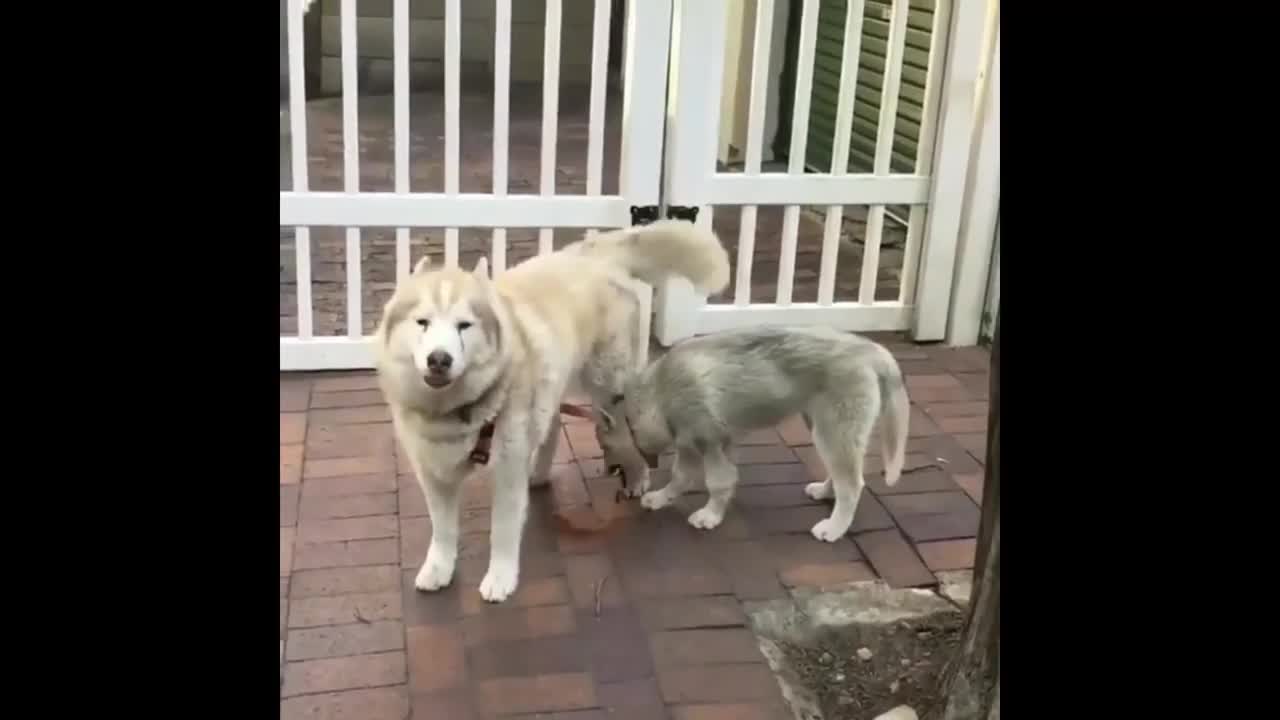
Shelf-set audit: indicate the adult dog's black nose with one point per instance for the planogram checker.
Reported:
(439, 361)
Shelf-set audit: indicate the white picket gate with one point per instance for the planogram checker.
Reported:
(680, 99)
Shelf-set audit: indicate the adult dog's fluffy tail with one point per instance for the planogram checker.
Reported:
(668, 247)
(895, 410)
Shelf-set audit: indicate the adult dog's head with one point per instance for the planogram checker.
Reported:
(439, 326)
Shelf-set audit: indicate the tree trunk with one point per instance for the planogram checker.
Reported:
(971, 682)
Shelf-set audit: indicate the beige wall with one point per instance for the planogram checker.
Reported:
(736, 85)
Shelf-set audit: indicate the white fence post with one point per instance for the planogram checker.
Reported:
(693, 125)
(978, 222)
(991, 307)
(951, 160)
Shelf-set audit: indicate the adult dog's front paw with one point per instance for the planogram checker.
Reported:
(499, 582)
(435, 573)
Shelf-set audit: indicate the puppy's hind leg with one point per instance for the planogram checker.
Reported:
(817, 490)
(840, 437)
(722, 478)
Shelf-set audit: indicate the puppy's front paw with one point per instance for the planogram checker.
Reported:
(635, 490)
(434, 574)
(498, 583)
(706, 519)
(655, 500)
(830, 530)
(635, 484)
(819, 490)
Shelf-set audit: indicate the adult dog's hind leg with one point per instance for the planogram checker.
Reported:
(510, 506)
(546, 454)
(841, 433)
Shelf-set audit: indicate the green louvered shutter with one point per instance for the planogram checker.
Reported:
(866, 106)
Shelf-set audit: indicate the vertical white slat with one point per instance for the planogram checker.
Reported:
(501, 121)
(746, 253)
(400, 98)
(840, 146)
(646, 51)
(885, 127)
(978, 220)
(351, 160)
(452, 70)
(695, 76)
(595, 115)
(754, 150)
(924, 147)
(550, 112)
(799, 143)
(298, 151)
(646, 54)
(951, 162)
(992, 303)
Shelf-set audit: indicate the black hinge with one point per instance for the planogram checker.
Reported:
(643, 214)
(683, 212)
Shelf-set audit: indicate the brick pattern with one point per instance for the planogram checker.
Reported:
(648, 620)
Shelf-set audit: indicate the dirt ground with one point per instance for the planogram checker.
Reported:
(859, 671)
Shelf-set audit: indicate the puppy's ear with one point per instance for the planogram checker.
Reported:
(422, 265)
(482, 268)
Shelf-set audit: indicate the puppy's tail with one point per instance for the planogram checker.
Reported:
(659, 250)
(896, 412)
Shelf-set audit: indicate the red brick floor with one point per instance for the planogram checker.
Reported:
(646, 621)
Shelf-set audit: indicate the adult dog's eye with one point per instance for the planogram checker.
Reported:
(463, 326)
(424, 322)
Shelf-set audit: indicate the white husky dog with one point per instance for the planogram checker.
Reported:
(462, 358)
(707, 391)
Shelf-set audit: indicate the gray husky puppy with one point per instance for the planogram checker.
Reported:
(708, 391)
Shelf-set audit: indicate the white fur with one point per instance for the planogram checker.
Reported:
(536, 328)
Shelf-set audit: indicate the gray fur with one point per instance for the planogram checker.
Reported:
(708, 391)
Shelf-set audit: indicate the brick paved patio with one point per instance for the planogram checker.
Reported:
(325, 167)
(670, 639)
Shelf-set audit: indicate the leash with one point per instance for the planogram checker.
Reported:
(480, 453)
